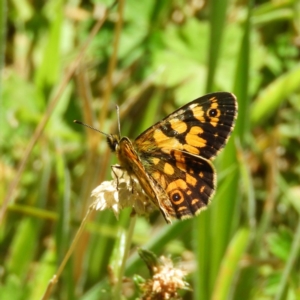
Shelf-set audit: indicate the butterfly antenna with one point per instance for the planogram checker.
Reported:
(118, 116)
(88, 126)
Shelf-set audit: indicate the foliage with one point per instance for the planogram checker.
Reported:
(149, 57)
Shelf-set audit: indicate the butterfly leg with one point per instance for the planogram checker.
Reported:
(116, 173)
(132, 185)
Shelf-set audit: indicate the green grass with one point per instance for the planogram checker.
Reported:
(61, 62)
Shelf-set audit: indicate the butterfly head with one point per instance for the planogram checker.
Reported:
(113, 141)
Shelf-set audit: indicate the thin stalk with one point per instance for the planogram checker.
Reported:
(55, 278)
(128, 241)
(292, 258)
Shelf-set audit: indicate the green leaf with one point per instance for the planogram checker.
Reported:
(270, 99)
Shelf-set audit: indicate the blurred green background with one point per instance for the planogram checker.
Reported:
(149, 57)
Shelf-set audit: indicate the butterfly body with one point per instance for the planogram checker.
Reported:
(172, 158)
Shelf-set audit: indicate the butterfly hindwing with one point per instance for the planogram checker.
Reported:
(188, 181)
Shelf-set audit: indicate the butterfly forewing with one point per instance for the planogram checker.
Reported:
(200, 127)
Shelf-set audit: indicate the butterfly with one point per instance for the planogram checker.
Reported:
(172, 159)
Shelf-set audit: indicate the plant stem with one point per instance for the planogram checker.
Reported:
(118, 287)
(56, 276)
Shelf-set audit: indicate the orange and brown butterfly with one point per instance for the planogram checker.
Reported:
(172, 158)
